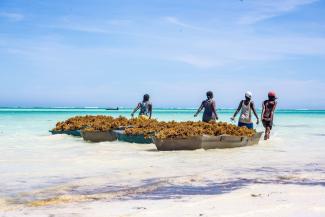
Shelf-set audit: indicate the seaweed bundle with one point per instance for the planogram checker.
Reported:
(99, 123)
(149, 127)
(174, 129)
(77, 122)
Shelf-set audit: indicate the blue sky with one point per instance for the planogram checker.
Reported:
(108, 53)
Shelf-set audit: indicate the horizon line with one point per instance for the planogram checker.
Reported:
(157, 108)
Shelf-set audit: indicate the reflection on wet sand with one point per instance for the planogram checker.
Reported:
(154, 189)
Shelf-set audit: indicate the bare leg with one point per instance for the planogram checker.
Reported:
(268, 131)
(265, 134)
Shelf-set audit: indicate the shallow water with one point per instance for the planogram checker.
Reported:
(35, 165)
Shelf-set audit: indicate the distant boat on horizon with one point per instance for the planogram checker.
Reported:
(117, 108)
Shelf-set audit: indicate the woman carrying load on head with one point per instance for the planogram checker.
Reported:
(268, 108)
(246, 107)
(145, 107)
(209, 106)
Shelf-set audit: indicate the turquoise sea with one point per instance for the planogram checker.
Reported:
(35, 165)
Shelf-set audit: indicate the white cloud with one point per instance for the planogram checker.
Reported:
(198, 61)
(80, 25)
(108, 27)
(262, 10)
(214, 52)
(208, 52)
(50, 57)
(12, 16)
(119, 22)
(227, 46)
(177, 22)
(82, 28)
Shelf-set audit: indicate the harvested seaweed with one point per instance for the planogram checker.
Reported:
(99, 123)
(149, 127)
(76, 123)
(174, 129)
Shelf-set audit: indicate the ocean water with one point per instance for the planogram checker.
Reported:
(37, 168)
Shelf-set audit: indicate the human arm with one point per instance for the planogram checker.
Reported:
(263, 111)
(272, 112)
(135, 109)
(255, 113)
(214, 109)
(199, 110)
(238, 109)
(150, 110)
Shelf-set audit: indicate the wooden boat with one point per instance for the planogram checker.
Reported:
(174, 144)
(206, 142)
(255, 139)
(98, 136)
(227, 141)
(67, 132)
(140, 139)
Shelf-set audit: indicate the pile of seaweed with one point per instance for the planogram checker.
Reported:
(98, 123)
(163, 130)
(75, 123)
(152, 127)
(147, 127)
(107, 123)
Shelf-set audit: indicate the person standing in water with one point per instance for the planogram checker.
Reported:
(209, 106)
(145, 107)
(268, 109)
(246, 107)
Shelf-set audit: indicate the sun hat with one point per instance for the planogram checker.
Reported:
(248, 94)
(272, 94)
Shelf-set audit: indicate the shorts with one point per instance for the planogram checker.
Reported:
(267, 124)
(248, 125)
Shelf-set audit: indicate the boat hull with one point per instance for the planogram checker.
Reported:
(206, 142)
(139, 139)
(98, 136)
(67, 132)
(174, 144)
